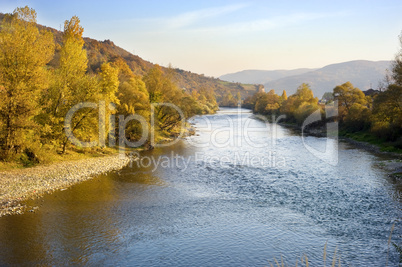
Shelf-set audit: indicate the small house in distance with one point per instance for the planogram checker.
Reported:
(371, 92)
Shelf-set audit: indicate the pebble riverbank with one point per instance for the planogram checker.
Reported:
(19, 185)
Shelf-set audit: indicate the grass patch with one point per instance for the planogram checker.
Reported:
(397, 175)
(370, 138)
(50, 156)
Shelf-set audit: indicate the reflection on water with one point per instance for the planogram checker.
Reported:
(223, 197)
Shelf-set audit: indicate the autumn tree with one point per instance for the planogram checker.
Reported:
(133, 96)
(125, 73)
(163, 90)
(229, 100)
(24, 52)
(72, 85)
(109, 83)
(203, 101)
(155, 84)
(268, 103)
(347, 96)
(207, 100)
(304, 95)
(386, 118)
(251, 101)
(284, 96)
(397, 66)
(238, 97)
(134, 99)
(387, 106)
(288, 108)
(387, 114)
(300, 105)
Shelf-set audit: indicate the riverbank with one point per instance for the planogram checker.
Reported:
(18, 184)
(23, 184)
(322, 132)
(392, 166)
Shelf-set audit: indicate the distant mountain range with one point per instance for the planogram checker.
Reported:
(261, 76)
(363, 74)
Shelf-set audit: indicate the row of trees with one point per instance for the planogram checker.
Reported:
(228, 100)
(36, 96)
(380, 114)
(296, 107)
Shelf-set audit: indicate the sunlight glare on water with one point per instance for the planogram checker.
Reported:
(238, 193)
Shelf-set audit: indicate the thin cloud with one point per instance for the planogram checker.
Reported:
(269, 24)
(184, 20)
(189, 18)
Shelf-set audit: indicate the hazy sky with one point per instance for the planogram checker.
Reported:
(218, 37)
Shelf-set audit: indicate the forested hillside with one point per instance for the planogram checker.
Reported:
(100, 52)
(61, 91)
(106, 51)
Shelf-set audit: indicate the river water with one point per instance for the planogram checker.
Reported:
(238, 193)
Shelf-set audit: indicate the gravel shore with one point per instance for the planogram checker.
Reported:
(19, 185)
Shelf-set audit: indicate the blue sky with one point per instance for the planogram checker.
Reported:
(218, 37)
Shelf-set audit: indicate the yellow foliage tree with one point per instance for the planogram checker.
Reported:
(347, 95)
(284, 96)
(162, 89)
(134, 99)
(72, 85)
(300, 105)
(24, 52)
(268, 103)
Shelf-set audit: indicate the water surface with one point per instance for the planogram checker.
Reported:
(224, 197)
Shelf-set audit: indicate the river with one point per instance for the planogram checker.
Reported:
(238, 193)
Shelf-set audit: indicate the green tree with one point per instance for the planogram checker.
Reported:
(24, 52)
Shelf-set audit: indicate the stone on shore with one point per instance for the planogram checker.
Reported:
(19, 185)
